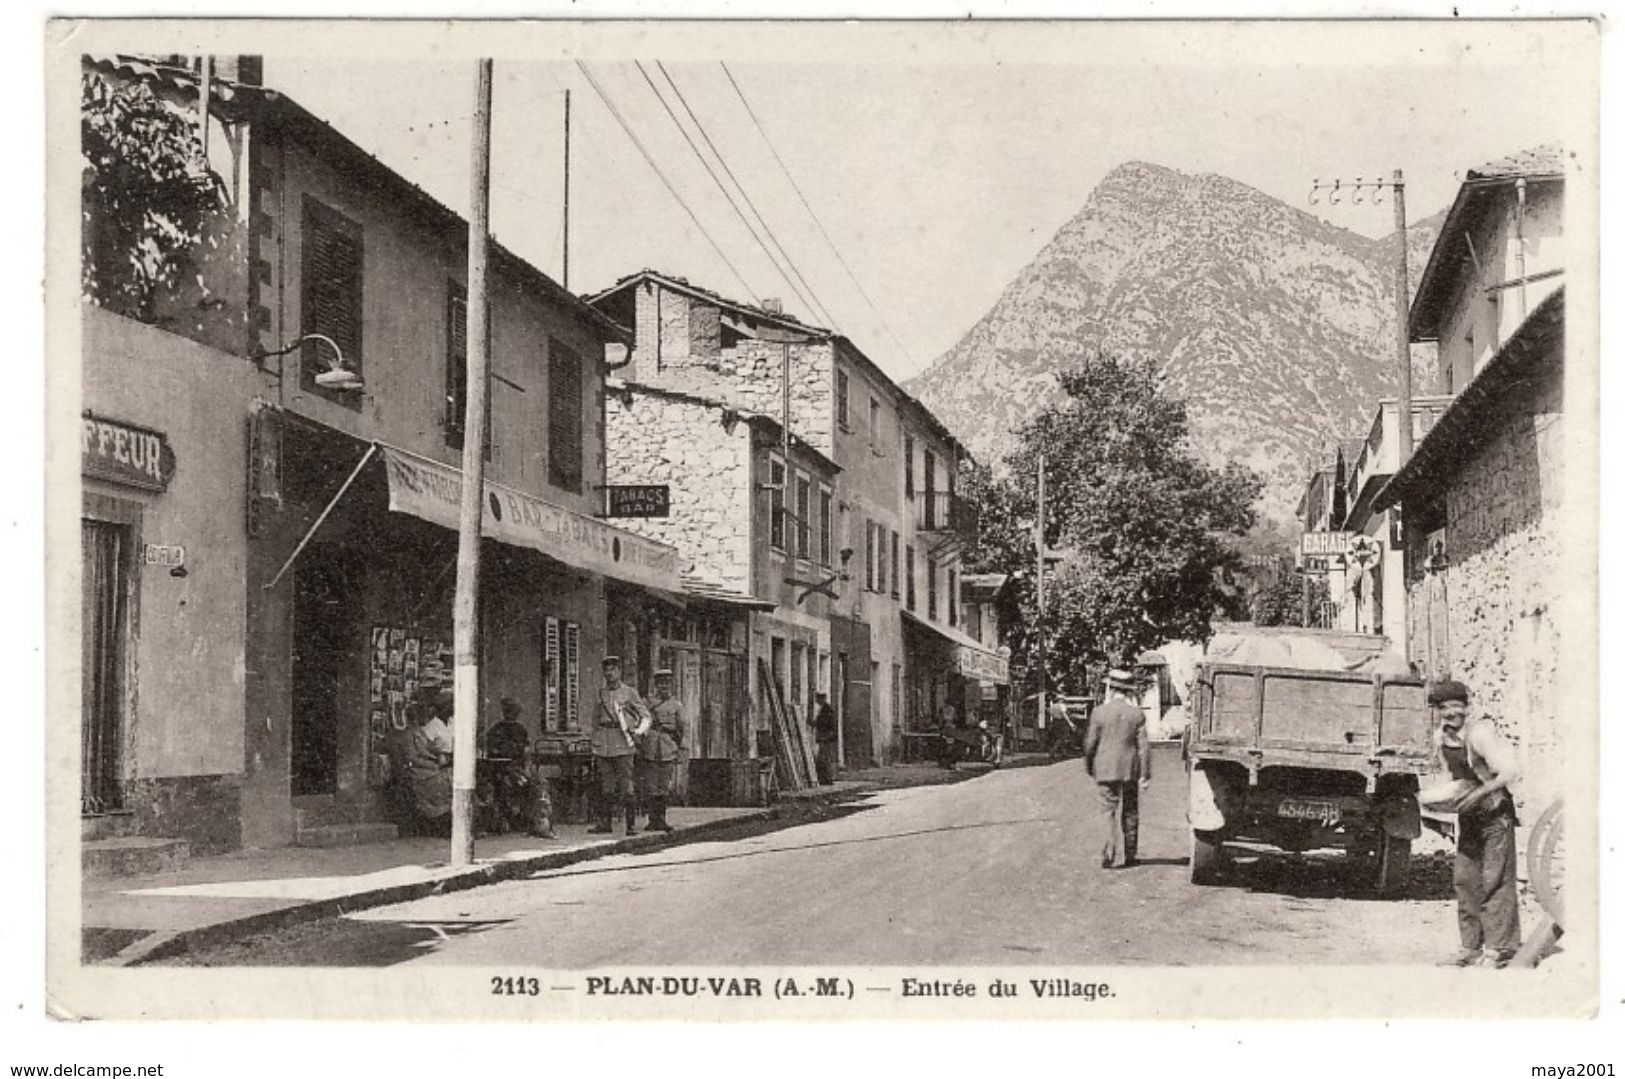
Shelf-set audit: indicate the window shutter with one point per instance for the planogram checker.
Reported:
(331, 273)
(550, 688)
(564, 449)
(572, 676)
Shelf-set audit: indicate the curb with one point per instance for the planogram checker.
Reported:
(168, 945)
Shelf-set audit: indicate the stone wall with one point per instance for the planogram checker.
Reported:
(1504, 548)
(655, 439)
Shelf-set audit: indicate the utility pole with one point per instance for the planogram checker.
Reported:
(566, 276)
(1402, 310)
(1402, 286)
(466, 609)
(1043, 659)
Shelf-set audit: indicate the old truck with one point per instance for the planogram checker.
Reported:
(1305, 740)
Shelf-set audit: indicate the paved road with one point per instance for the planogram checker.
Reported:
(1002, 869)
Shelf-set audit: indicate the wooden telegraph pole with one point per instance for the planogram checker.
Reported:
(1402, 307)
(1043, 658)
(466, 609)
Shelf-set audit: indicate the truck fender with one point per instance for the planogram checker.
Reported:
(1402, 817)
(1205, 814)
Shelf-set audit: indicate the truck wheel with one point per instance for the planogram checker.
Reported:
(1393, 866)
(1207, 857)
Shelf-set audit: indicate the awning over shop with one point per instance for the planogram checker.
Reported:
(972, 659)
(433, 492)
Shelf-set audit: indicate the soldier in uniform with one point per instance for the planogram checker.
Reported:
(658, 750)
(621, 719)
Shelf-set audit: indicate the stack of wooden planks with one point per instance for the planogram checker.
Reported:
(793, 753)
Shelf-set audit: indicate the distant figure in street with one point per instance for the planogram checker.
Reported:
(1063, 732)
(622, 719)
(1486, 872)
(828, 739)
(659, 750)
(1117, 753)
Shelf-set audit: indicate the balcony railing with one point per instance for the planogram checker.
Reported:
(942, 511)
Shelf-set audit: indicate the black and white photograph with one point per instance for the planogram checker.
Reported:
(823, 520)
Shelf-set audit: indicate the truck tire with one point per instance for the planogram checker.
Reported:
(1207, 857)
(1393, 866)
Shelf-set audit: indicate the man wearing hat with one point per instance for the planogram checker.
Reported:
(1486, 871)
(622, 718)
(658, 750)
(1117, 753)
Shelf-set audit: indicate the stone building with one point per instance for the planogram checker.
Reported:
(305, 387)
(1373, 578)
(895, 515)
(751, 515)
(1487, 562)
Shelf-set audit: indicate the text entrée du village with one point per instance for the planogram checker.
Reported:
(783, 988)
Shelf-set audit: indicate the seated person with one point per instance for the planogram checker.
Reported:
(520, 800)
(437, 728)
(427, 773)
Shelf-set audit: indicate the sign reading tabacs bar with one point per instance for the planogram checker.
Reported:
(639, 500)
(124, 453)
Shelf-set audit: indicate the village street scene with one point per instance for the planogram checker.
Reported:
(1178, 568)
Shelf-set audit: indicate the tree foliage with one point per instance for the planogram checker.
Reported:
(148, 194)
(1143, 532)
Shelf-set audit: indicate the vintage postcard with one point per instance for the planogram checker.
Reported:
(813, 520)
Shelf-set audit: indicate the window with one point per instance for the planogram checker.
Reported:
(880, 553)
(896, 566)
(803, 517)
(930, 491)
(908, 558)
(561, 675)
(564, 448)
(874, 424)
(842, 391)
(457, 368)
(930, 588)
(869, 555)
(825, 525)
(953, 598)
(775, 479)
(797, 652)
(908, 466)
(330, 304)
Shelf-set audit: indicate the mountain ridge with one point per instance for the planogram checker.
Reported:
(1276, 327)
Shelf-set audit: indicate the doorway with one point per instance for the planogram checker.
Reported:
(326, 619)
(106, 549)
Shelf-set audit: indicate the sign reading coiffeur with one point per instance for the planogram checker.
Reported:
(123, 453)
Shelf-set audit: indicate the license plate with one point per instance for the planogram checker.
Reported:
(1326, 813)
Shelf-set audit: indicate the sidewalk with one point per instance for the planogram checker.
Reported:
(129, 920)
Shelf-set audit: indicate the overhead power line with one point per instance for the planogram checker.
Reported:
(615, 112)
(672, 115)
(810, 213)
(817, 305)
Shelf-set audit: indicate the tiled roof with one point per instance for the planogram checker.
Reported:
(1544, 160)
(715, 297)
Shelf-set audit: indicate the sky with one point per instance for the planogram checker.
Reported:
(936, 173)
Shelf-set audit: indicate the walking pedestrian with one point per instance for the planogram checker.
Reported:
(621, 720)
(827, 736)
(659, 750)
(1486, 870)
(1117, 754)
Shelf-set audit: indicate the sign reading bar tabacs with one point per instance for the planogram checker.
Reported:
(640, 500)
(433, 491)
(1325, 544)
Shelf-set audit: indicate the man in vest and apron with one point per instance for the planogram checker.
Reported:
(620, 719)
(1486, 872)
(659, 750)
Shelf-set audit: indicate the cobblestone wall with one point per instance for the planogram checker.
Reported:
(657, 440)
(1505, 554)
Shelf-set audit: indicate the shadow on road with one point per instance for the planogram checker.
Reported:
(595, 869)
(1330, 877)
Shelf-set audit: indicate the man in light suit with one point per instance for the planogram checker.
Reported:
(622, 718)
(1117, 753)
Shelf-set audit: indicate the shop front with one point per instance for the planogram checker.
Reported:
(351, 617)
(946, 668)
